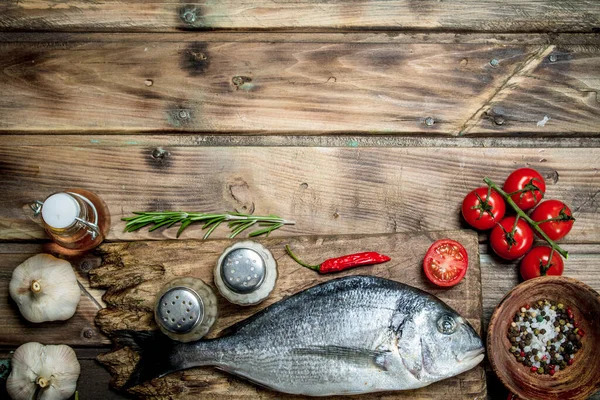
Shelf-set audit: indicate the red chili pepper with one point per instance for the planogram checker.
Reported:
(344, 262)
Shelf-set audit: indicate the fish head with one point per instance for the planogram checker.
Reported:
(437, 343)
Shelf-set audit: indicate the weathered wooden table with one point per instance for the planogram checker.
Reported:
(349, 117)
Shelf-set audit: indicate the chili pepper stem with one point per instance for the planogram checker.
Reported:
(313, 267)
(522, 214)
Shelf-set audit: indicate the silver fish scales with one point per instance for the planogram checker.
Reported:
(351, 335)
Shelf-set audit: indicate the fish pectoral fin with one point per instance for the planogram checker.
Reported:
(377, 358)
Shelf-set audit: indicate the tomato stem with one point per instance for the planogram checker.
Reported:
(522, 214)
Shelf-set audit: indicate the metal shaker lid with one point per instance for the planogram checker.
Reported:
(243, 270)
(180, 309)
(245, 273)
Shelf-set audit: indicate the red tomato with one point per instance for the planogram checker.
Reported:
(446, 262)
(482, 212)
(511, 241)
(557, 210)
(535, 263)
(526, 187)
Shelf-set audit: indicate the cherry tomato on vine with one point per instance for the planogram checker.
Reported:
(536, 263)
(511, 239)
(446, 262)
(482, 211)
(559, 213)
(526, 187)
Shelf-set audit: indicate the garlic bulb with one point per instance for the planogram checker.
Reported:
(45, 289)
(50, 370)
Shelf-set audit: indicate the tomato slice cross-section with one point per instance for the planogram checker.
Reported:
(446, 262)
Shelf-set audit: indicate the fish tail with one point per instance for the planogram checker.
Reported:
(157, 354)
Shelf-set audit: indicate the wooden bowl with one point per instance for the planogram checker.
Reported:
(577, 381)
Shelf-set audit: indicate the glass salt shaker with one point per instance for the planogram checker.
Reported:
(76, 219)
(185, 309)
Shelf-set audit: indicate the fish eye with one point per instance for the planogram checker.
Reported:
(446, 324)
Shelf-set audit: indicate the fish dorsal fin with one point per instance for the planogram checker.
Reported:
(409, 347)
(377, 358)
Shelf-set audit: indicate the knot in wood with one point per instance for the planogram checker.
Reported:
(240, 80)
(159, 153)
(498, 120)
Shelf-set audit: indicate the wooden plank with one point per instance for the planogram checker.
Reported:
(338, 140)
(160, 15)
(326, 190)
(155, 83)
(133, 273)
(78, 330)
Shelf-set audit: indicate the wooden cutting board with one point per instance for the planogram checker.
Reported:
(133, 273)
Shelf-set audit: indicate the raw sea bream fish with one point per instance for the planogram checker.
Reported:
(351, 335)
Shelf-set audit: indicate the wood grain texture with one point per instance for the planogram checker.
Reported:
(133, 274)
(157, 83)
(326, 190)
(79, 330)
(160, 15)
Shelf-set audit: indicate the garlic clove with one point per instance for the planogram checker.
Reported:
(45, 288)
(26, 366)
(61, 362)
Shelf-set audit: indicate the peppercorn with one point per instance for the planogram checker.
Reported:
(543, 331)
(540, 370)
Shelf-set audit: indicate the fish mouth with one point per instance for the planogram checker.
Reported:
(472, 355)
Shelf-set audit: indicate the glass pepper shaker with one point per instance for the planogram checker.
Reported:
(76, 219)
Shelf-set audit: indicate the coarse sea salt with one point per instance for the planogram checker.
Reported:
(534, 333)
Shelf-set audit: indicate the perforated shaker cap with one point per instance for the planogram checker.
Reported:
(185, 309)
(246, 273)
(243, 270)
(180, 309)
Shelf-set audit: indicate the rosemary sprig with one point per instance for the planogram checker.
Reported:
(237, 222)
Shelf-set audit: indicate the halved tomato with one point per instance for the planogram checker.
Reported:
(446, 262)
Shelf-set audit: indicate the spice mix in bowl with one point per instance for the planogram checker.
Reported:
(543, 339)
